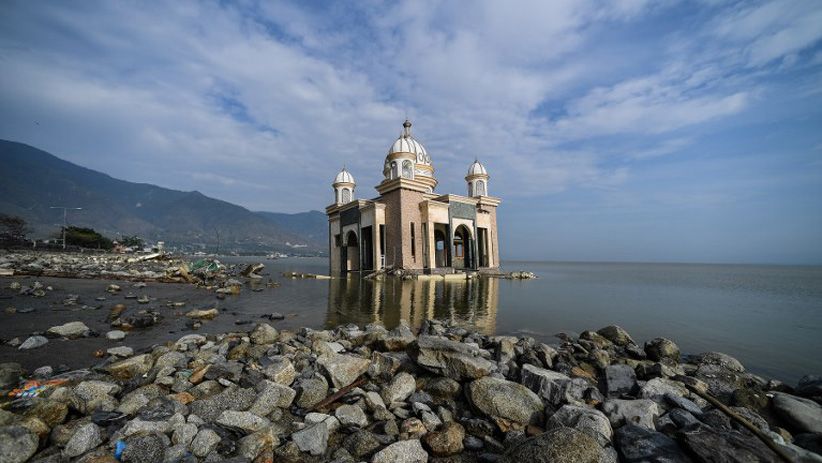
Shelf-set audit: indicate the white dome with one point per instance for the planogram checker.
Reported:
(344, 177)
(408, 144)
(477, 169)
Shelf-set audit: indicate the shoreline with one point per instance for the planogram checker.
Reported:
(370, 394)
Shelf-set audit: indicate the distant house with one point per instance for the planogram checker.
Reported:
(409, 226)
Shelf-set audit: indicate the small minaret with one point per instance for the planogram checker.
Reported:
(343, 188)
(477, 179)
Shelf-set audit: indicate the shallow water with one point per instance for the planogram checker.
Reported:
(769, 317)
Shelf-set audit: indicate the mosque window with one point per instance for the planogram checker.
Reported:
(407, 169)
(471, 189)
(480, 188)
(346, 196)
(394, 170)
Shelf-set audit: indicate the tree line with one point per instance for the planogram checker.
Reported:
(14, 233)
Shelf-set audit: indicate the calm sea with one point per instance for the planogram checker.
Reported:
(769, 317)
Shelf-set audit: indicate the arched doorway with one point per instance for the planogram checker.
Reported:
(462, 248)
(440, 250)
(352, 252)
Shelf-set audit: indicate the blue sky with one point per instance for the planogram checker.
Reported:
(638, 130)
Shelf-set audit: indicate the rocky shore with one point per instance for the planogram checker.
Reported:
(445, 394)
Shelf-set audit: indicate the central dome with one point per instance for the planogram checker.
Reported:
(406, 143)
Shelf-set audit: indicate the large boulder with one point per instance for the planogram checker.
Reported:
(619, 379)
(802, 415)
(263, 334)
(505, 400)
(588, 420)
(313, 439)
(85, 438)
(400, 387)
(555, 387)
(641, 412)
(637, 444)
(17, 444)
(453, 359)
(616, 335)
(709, 443)
(658, 349)
(280, 370)
(343, 369)
(561, 445)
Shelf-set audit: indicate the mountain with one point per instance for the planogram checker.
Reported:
(32, 180)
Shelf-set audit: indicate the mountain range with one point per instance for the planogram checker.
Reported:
(32, 181)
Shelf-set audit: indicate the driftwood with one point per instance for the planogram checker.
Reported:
(336, 396)
(744, 422)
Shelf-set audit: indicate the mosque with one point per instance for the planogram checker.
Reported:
(409, 226)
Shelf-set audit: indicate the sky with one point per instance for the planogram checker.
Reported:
(677, 131)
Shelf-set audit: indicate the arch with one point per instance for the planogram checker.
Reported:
(352, 251)
(480, 189)
(407, 169)
(395, 170)
(440, 249)
(346, 196)
(462, 248)
(470, 188)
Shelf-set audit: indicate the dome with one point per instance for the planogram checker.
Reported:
(477, 169)
(408, 144)
(344, 177)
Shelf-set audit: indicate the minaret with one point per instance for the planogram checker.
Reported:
(343, 188)
(477, 179)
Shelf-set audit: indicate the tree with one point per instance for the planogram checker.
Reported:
(12, 228)
(86, 238)
(132, 241)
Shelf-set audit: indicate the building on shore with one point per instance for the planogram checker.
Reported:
(409, 226)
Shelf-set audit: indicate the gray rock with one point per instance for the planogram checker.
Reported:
(616, 335)
(405, 451)
(809, 386)
(561, 445)
(145, 448)
(445, 441)
(131, 367)
(10, 373)
(184, 434)
(313, 439)
(661, 348)
(657, 388)
(588, 420)
(311, 391)
(138, 426)
(400, 387)
(801, 414)
(120, 351)
(641, 412)
(263, 334)
(399, 338)
(331, 423)
(33, 342)
(498, 398)
(453, 359)
(619, 379)
(637, 444)
(85, 438)
(724, 445)
(272, 395)
(556, 388)
(116, 335)
(17, 444)
(71, 330)
(233, 398)
(343, 369)
(245, 421)
(721, 360)
(253, 445)
(281, 371)
(351, 415)
(683, 403)
(361, 443)
(204, 442)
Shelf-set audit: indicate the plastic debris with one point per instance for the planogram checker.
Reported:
(119, 447)
(34, 388)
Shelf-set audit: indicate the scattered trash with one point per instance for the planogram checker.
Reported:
(34, 388)
(119, 447)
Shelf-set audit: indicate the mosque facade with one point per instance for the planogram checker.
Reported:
(409, 226)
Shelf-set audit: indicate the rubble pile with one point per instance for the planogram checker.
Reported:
(445, 394)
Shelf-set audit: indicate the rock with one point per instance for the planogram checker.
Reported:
(245, 421)
(809, 386)
(17, 444)
(406, 451)
(562, 445)
(400, 387)
(399, 338)
(803, 415)
(33, 342)
(311, 391)
(619, 379)
(683, 403)
(71, 330)
(10, 373)
(50, 412)
(343, 369)
(453, 359)
(204, 442)
(616, 335)
(184, 434)
(263, 334)
(637, 444)
(658, 349)
(351, 415)
(331, 423)
(253, 445)
(657, 388)
(271, 396)
(724, 361)
(584, 419)
(554, 387)
(313, 439)
(85, 438)
(711, 444)
(507, 400)
(131, 367)
(232, 398)
(146, 448)
(641, 412)
(120, 351)
(281, 371)
(361, 443)
(445, 441)
(199, 314)
(96, 394)
(116, 335)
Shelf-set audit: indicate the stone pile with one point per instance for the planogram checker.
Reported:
(445, 394)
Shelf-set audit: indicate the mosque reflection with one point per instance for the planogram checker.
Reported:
(355, 300)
